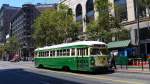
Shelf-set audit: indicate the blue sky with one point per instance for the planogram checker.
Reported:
(19, 3)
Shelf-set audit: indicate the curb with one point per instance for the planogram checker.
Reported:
(133, 71)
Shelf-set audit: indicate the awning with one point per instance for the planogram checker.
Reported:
(119, 44)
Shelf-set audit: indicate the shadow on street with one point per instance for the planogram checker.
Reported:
(82, 72)
(20, 76)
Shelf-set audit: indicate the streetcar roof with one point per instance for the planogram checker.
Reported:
(86, 43)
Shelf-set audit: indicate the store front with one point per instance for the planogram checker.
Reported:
(145, 42)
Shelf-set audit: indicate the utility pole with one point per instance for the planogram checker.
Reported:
(138, 27)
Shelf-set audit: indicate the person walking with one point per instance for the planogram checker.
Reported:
(113, 62)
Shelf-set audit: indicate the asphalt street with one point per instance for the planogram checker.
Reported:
(26, 73)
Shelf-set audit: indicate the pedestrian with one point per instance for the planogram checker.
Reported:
(113, 62)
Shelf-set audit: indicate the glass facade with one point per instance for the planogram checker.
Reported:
(89, 6)
(121, 10)
(89, 11)
(144, 33)
(141, 9)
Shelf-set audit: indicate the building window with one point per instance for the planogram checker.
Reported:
(78, 10)
(89, 6)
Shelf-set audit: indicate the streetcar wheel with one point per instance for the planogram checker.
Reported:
(40, 66)
(66, 69)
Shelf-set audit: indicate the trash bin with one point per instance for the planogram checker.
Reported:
(121, 60)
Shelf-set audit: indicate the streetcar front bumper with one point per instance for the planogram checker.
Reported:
(100, 69)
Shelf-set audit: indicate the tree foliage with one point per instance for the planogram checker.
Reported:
(54, 26)
(122, 34)
(102, 28)
(10, 47)
(2, 50)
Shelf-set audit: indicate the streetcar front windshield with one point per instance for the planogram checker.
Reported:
(98, 51)
(95, 51)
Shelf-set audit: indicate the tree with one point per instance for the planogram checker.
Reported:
(102, 28)
(54, 26)
(2, 50)
(120, 15)
(12, 45)
(122, 34)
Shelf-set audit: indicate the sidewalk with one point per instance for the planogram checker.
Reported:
(133, 69)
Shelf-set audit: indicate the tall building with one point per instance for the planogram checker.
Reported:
(128, 18)
(6, 12)
(21, 27)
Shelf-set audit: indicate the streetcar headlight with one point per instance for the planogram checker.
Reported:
(92, 62)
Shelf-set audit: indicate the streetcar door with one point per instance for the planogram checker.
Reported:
(80, 59)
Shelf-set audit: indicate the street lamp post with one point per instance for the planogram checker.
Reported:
(27, 52)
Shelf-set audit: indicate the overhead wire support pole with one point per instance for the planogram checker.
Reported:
(138, 27)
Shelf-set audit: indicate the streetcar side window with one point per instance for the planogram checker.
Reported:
(35, 54)
(64, 52)
(78, 52)
(40, 54)
(44, 54)
(82, 51)
(53, 53)
(47, 53)
(58, 53)
(72, 51)
(86, 51)
(68, 52)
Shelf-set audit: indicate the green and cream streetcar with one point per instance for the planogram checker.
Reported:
(82, 56)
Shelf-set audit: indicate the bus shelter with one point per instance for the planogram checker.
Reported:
(122, 50)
